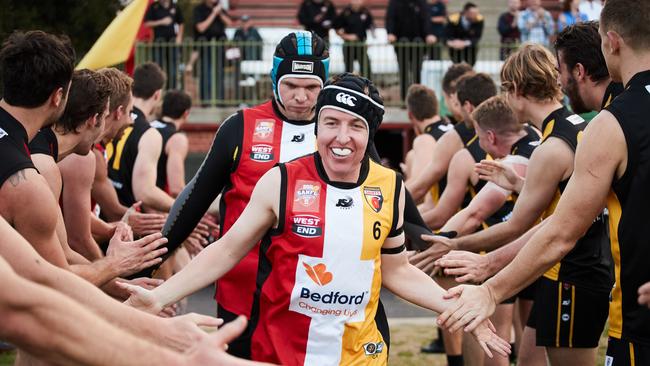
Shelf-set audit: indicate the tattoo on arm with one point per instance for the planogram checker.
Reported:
(17, 177)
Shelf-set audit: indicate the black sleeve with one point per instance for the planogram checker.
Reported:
(331, 13)
(390, 17)
(425, 20)
(198, 16)
(303, 16)
(213, 174)
(503, 26)
(149, 14)
(476, 36)
(370, 23)
(179, 16)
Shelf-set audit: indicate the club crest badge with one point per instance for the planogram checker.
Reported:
(374, 197)
(263, 130)
(306, 196)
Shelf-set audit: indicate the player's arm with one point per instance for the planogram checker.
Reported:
(549, 164)
(28, 264)
(413, 285)
(460, 171)
(145, 171)
(214, 261)
(423, 150)
(78, 174)
(583, 199)
(78, 337)
(601, 157)
(28, 204)
(176, 149)
(103, 192)
(213, 174)
(488, 200)
(445, 148)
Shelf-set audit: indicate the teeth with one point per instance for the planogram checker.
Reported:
(341, 151)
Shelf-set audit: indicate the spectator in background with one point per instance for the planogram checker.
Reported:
(570, 15)
(536, 24)
(508, 28)
(317, 16)
(463, 33)
(352, 25)
(249, 33)
(408, 25)
(166, 21)
(210, 22)
(438, 14)
(591, 8)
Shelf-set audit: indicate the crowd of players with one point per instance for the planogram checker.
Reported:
(96, 211)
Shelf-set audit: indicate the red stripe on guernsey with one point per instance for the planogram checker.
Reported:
(260, 151)
(303, 235)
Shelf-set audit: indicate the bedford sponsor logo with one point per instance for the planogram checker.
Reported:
(332, 297)
(262, 152)
(302, 66)
(306, 226)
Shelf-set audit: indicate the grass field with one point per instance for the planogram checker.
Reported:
(405, 348)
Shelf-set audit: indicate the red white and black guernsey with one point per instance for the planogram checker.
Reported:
(247, 145)
(14, 150)
(319, 275)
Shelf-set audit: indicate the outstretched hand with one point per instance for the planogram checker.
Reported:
(130, 256)
(142, 298)
(143, 223)
(466, 266)
(485, 335)
(425, 260)
(503, 175)
(211, 350)
(473, 306)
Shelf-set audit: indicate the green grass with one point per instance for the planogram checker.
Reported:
(7, 359)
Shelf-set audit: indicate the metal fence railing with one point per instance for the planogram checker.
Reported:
(227, 73)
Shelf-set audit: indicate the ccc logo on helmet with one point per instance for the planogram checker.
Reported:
(346, 99)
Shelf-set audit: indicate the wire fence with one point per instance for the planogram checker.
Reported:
(228, 73)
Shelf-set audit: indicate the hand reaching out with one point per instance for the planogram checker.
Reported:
(503, 175)
(466, 266)
(129, 256)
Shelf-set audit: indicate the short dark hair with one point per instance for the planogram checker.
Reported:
(421, 102)
(175, 103)
(475, 88)
(35, 64)
(88, 96)
(630, 19)
(454, 72)
(148, 78)
(580, 43)
(469, 5)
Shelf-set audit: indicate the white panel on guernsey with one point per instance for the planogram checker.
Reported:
(297, 141)
(335, 289)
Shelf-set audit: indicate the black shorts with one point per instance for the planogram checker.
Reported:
(623, 353)
(565, 315)
(240, 346)
(526, 294)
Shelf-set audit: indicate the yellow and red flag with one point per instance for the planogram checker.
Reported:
(115, 45)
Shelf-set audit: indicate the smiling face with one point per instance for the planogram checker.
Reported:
(298, 95)
(342, 141)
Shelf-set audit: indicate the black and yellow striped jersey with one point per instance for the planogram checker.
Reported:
(121, 154)
(613, 89)
(588, 264)
(628, 205)
(523, 147)
(436, 130)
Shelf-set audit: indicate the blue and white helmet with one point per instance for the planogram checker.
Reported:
(299, 54)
